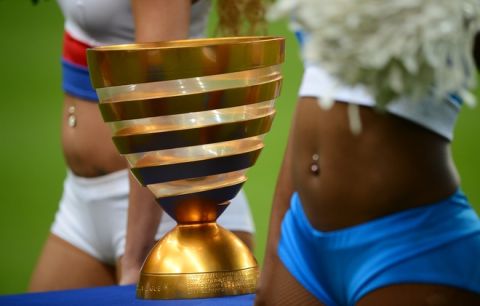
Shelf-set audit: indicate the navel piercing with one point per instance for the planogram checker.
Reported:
(314, 167)
(72, 119)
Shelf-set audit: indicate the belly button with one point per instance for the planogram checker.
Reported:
(314, 167)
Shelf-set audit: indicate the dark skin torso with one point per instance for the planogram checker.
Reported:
(88, 147)
(390, 166)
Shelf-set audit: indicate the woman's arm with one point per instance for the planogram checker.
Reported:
(476, 50)
(144, 216)
(155, 20)
(281, 203)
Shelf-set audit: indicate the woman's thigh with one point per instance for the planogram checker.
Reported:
(63, 266)
(420, 295)
(279, 287)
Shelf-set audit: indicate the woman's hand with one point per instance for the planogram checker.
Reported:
(155, 20)
(144, 215)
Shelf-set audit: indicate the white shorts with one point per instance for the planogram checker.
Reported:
(93, 215)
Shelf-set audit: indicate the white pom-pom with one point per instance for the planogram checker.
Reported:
(395, 48)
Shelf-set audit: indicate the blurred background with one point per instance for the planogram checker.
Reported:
(32, 166)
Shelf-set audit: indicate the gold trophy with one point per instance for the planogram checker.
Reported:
(190, 117)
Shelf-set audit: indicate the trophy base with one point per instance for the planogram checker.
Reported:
(198, 261)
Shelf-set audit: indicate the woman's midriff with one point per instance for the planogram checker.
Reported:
(88, 147)
(345, 179)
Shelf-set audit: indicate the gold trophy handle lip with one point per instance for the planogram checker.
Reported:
(184, 43)
(151, 62)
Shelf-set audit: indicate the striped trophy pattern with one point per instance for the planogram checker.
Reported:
(190, 117)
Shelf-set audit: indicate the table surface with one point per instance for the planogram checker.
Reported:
(113, 296)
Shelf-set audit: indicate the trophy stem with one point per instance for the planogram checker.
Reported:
(198, 261)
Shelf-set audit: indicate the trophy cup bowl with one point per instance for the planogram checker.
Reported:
(190, 116)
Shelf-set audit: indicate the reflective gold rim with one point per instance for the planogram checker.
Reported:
(190, 103)
(187, 121)
(197, 285)
(192, 137)
(188, 86)
(151, 62)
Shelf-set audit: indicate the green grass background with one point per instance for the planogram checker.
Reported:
(32, 166)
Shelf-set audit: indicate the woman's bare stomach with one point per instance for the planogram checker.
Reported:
(345, 179)
(87, 146)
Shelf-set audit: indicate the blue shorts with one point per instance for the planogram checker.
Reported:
(435, 244)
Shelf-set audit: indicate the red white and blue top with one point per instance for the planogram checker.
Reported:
(91, 23)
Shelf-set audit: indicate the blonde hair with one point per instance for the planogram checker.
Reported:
(241, 17)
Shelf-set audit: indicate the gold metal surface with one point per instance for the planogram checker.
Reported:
(192, 153)
(189, 86)
(134, 109)
(201, 260)
(195, 169)
(193, 137)
(201, 206)
(211, 182)
(197, 285)
(190, 117)
(191, 120)
(151, 62)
